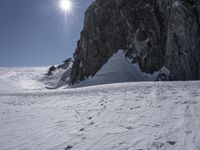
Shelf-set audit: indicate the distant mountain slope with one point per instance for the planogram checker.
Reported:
(153, 33)
(21, 79)
(58, 76)
(34, 78)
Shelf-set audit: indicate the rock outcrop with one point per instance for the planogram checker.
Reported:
(153, 33)
(58, 76)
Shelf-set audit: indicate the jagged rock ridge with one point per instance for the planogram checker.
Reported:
(153, 33)
(58, 76)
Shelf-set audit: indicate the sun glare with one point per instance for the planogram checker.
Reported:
(66, 5)
(67, 9)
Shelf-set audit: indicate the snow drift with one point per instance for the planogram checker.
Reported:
(120, 69)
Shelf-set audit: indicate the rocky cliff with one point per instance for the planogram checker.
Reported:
(153, 33)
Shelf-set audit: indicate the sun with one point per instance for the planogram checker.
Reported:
(66, 5)
(67, 9)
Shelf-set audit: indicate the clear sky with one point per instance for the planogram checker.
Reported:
(38, 32)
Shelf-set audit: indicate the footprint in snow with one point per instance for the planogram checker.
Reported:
(68, 147)
(137, 107)
(103, 105)
(82, 129)
(171, 142)
(156, 125)
(91, 123)
(129, 127)
(89, 118)
(158, 145)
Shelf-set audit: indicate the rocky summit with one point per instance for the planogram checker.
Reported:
(152, 33)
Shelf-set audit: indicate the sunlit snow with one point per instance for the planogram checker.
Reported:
(121, 116)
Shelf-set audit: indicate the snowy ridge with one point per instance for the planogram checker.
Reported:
(60, 76)
(120, 69)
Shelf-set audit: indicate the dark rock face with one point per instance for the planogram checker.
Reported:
(153, 33)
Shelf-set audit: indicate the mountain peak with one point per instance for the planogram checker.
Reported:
(153, 34)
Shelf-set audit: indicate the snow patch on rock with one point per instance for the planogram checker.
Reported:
(59, 77)
(120, 69)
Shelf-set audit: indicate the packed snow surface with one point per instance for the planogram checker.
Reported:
(121, 116)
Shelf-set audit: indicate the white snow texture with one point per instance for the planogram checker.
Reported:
(120, 116)
(120, 69)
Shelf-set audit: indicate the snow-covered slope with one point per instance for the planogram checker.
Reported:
(32, 78)
(21, 79)
(122, 116)
(59, 77)
(119, 69)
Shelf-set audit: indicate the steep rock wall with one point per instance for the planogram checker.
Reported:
(153, 33)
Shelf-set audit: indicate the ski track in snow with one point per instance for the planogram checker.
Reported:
(124, 116)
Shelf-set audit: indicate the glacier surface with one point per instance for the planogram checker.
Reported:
(120, 116)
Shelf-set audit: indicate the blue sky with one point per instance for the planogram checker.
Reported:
(37, 32)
